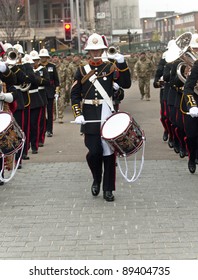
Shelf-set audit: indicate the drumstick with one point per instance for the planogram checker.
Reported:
(90, 121)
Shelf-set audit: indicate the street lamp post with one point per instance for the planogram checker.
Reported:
(129, 38)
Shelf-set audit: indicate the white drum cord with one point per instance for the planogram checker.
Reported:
(125, 174)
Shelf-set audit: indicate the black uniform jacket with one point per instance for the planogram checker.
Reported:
(9, 78)
(82, 88)
(42, 72)
(54, 80)
(22, 79)
(191, 98)
(175, 84)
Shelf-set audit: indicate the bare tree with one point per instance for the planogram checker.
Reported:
(12, 20)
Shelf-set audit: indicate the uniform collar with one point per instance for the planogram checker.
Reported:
(95, 63)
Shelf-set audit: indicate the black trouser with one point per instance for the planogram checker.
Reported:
(35, 115)
(42, 125)
(96, 160)
(50, 108)
(191, 130)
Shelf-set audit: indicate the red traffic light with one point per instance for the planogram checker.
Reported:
(67, 26)
(67, 31)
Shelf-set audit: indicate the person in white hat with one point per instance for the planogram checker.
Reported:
(42, 72)
(96, 104)
(52, 89)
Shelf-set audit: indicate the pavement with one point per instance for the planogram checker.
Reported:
(47, 210)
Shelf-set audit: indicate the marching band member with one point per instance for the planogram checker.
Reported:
(21, 79)
(36, 103)
(159, 83)
(8, 97)
(93, 89)
(51, 89)
(191, 105)
(42, 72)
(24, 76)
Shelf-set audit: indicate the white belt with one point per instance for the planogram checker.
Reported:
(41, 87)
(33, 90)
(17, 87)
(95, 102)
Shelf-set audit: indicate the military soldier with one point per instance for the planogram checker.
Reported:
(62, 75)
(93, 87)
(131, 61)
(142, 71)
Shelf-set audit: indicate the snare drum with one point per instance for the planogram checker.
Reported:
(123, 134)
(11, 135)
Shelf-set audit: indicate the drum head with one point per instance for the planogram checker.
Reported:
(5, 120)
(115, 125)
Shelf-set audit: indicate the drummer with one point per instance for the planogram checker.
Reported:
(91, 98)
(8, 94)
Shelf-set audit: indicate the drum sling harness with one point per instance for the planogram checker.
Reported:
(99, 87)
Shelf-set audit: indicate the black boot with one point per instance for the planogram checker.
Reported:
(95, 188)
(191, 166)
(108, 196)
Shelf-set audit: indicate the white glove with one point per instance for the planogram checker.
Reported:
(193, 112)
(80, 119)
(7, 97)
(119, 57)
(56, 96)
(3, 67)
(116, 86)
(2, 96)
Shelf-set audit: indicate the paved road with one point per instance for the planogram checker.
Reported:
(47, 211)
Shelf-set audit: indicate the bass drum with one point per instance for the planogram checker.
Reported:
(123, 134)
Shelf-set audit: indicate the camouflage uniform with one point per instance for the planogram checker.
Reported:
(72, 68)
(143, 70)
(156, 59)
(62, 74)
(131, 61)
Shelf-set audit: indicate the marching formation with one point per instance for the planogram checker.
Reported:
(177, 76)
(35, 88)
(29, 82)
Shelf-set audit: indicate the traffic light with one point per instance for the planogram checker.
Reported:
(68, 31)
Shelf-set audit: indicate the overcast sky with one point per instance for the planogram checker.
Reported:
(148, 8)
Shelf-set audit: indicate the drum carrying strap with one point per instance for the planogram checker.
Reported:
(99, 87)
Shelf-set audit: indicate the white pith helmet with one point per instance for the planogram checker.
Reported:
(170, 43)
(27, 59)
(95, 42)
(34, 55)
(44, 53)
(7, 46)
(19, 48)
(173, 51)
(194, 41)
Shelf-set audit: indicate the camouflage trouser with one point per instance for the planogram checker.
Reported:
(61, 104)
(67, 96)
(144, 87)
